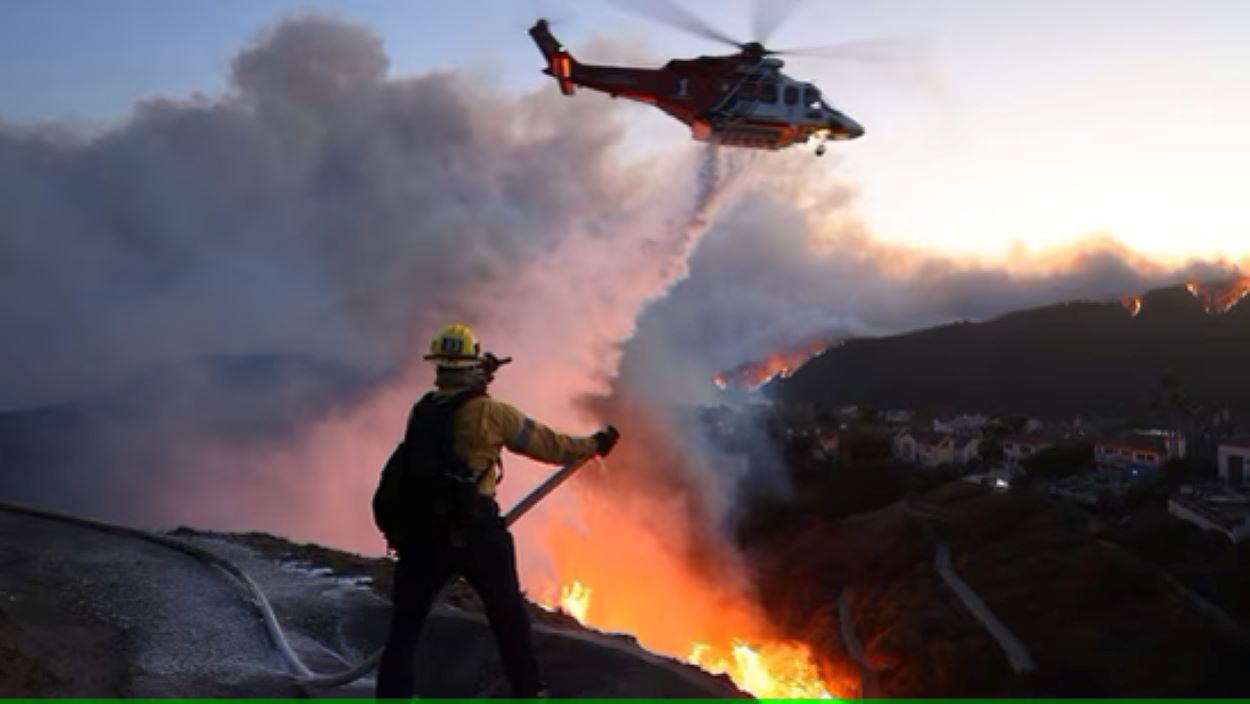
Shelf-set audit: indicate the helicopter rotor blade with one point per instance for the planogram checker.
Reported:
(767, 16)
(878, 51)
(670, 13)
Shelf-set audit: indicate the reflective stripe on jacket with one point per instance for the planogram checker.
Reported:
(484, 426)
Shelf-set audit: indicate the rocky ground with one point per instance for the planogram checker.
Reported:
(84, 612)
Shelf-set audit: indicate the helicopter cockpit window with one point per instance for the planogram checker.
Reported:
(768, 92)
(811, 97)
(792, 95)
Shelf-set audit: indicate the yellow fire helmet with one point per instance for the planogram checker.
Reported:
(455, 346)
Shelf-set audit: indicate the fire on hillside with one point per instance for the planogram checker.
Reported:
(1220, 298)
(782, 362)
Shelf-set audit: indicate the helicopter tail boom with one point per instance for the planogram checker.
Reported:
(560, 63)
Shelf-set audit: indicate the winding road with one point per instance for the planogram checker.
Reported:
(1013, 648)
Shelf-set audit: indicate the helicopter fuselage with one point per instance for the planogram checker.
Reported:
(741, 99)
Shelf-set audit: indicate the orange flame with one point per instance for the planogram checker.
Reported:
(781, 363)
(655, 578)
(1132, 304)
(775, 671)
(1217, 299)
(575, 600)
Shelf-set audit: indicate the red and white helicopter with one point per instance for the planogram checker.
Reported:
(741, 99)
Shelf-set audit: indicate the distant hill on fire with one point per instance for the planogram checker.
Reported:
(1093, 359)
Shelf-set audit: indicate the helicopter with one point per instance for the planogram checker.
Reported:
(741, 99)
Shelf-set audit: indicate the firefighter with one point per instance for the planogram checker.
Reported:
(481, 549)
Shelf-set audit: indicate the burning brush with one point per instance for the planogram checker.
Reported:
(781, 363)
(1132, 304)
(1218, 299)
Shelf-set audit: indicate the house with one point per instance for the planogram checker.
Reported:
(897, 417)
(1234, 459)
(1032, 425)
(904, 446)
(1173, 442)
(936, 449)
(933, 449)
(1018, 448)
(827, 444)
(966, 424)
(967, 449)
(1133, 452)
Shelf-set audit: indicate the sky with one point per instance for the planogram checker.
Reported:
(1004, 127)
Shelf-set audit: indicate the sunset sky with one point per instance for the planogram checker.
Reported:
(1006, 123)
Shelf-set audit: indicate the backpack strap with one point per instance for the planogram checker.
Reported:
(447, 405)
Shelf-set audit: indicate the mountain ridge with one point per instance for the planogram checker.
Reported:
(1083, 358)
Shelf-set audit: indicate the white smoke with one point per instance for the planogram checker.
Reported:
(325, 211)
(776, 271)
(320, 208)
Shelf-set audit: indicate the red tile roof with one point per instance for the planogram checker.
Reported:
(1139, 443)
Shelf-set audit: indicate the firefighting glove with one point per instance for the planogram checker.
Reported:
(605, 440)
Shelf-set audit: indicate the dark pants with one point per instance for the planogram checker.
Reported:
(487, 559)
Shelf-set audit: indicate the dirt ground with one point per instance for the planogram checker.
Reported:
(50, 644)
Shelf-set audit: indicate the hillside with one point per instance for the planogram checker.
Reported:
(1080, 358)
(97, 611)
(1096, 619)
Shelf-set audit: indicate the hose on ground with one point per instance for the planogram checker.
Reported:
(301, 672)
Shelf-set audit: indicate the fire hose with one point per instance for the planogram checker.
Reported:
(303, 675)
(527, 502)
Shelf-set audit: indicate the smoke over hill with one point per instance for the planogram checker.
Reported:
(1092, 359)
(327, 217)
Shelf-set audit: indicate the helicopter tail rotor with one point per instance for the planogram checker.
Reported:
(560, 63)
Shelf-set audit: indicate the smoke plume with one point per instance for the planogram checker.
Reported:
(218, 305)
(328, 217)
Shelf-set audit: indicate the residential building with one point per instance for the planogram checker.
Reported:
(1018, 448)
(827, 445)
(1234, 460)
(904, 446)
(1173, 441)
(1137, 452)
(966, 424)
(966, 449)
(897, 417)
(935, 449)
